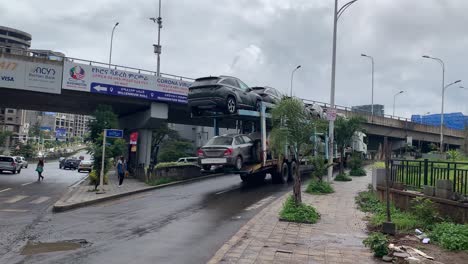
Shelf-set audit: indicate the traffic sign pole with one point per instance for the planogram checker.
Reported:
(101, 176)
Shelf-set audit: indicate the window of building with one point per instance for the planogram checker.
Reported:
(9, 119)
(10, 111)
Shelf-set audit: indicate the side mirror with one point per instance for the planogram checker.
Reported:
(249, 90)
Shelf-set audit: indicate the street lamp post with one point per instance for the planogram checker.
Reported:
(336, 15)
(112, 38)
(292, 75)
(442, 115)
(157, 48)
(372, 93)
(394, 99)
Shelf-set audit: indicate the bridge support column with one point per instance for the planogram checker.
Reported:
(144, 146)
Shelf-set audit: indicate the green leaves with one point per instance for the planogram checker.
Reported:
(319, 187)
(377, 242)
(451, 236)
(300, 213)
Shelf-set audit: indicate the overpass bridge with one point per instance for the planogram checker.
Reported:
(143, 100)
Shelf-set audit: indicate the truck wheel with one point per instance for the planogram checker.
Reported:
(292, 171)
(238, 164)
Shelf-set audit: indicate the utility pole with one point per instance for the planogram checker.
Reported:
(157, 48)
(112, 38)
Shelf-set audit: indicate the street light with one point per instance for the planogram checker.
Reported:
(336, 15)
(441, 62)
(372, 96)
(112, 38)
(292, 75)
(442, 115)
(157, 48)
(394, 99)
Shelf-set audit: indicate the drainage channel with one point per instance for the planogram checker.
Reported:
(32, 248)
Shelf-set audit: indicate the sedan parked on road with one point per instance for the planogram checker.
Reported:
(226, 150)
(85, 165)
(71, 163)
(8, 163)
(193, 160)
(223, 93)
(268, 94)
(23, 161)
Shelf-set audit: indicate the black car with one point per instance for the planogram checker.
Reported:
(268, 94)
(71, 164)
(224, 93)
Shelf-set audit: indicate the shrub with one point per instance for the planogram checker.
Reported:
(377, 242)
(357, 172)
(319, 187)
(172, 164)
(425, 210)
(94, 178)
(355, 162)
(453, 154)
(379, 165)
(160, 181)
(451, 236)
(367, 201)
(343, 177)
(301, 213)
(320, 167)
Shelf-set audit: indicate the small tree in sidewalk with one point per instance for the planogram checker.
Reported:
(345, 128)
(292, 135)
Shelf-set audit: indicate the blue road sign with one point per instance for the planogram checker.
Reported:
(114, 133)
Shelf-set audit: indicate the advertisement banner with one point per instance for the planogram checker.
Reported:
(60, 132)
(95, 79)
(31, 76)
(133, 138)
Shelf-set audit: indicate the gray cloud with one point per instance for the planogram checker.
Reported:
(261, 41)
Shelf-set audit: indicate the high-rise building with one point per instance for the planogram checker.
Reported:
(14, 41)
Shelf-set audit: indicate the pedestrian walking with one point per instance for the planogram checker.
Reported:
(40, 169)
(121, 169)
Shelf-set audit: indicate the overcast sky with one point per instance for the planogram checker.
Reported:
(261, 41)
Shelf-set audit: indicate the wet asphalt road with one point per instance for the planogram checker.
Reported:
(23, 200)
(179, 224)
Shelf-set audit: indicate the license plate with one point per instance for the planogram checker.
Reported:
(214, 161)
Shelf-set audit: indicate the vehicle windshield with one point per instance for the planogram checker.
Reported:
(220, 141)
(6, 159)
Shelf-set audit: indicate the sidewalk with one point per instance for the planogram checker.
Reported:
(335, 238)
(80, 195)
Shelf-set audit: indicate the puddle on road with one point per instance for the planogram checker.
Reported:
(32, 248)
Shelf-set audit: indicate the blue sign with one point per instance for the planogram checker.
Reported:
(136, 92)
(45, 128)
(60, 132)
(114, 133)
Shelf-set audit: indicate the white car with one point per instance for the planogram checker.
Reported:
(23, 161)
(8, 163)
(193, 160)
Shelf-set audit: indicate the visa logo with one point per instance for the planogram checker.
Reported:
(7, 79)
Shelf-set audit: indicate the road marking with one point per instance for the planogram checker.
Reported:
(16, 199)
(40, 200)
(24, 184)
(260, 203)
(13, 210)
(228, 190)
(4, 190)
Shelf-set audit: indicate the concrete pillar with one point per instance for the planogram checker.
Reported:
(144, 146)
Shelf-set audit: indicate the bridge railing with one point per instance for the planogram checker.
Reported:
(38, 54)
(391, 121)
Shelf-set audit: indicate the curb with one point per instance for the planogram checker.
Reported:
(57, 208)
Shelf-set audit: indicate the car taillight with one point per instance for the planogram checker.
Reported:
(13, 164)
(200, 153)
(228, 152)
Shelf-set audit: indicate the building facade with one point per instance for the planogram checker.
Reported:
(14, 41)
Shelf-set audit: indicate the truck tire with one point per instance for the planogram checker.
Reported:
(281, 176)
(292, 171)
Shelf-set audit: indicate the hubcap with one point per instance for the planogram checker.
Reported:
(231, 105)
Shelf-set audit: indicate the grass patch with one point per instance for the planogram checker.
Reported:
(319, 187)
(358, 172)
(160, 181)
(378, 165)
(450, 236)
(343, 177)
(301, 213)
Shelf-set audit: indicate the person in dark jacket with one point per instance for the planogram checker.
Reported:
(40, 169)
(121, 169)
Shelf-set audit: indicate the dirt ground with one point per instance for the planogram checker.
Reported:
(438, 253)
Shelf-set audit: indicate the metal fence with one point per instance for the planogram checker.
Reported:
(417, 173)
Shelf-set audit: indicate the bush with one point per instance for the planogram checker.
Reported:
(319, 187)
(367, 201)
(320, 167)
(425, 210)
(94, 178)
(355, 161)
(357, 172)
(301, 213)
(160, 181)
(451, 236)
(377, 242)
(343, 177)
(171, 164)
(379, 165)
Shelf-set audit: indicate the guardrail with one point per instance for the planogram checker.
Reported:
(418, 173)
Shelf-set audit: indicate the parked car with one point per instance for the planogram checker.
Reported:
(8, 163)
(193, 160)
(268, 94)
(71, 163)
(85, 165)
(23, 161)
(227, 150)
(316, 111)
(223, 93)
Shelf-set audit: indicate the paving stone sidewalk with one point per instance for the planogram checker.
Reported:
(336, 238)
(81, 195)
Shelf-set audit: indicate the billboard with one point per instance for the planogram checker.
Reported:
(95, 79)
(60, 132)
(31, 76)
